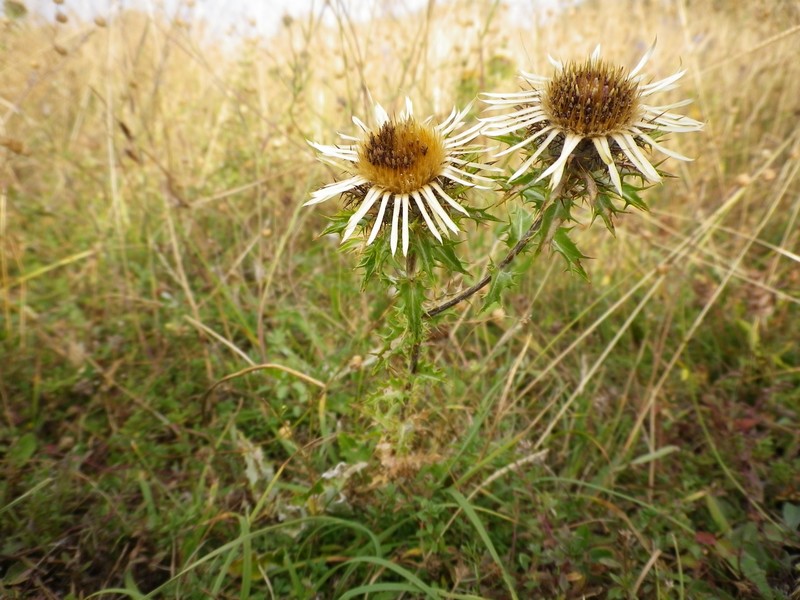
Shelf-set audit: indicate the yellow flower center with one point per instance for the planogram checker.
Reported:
(591, 99)
(401, 157)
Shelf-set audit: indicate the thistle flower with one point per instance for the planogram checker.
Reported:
(590, 109)
(407, 166)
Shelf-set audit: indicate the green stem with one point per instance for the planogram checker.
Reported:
(413, 363)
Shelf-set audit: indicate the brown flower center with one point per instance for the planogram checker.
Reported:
(591, 99)
(401, 157)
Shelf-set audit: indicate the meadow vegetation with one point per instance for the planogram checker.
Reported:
(194, 401)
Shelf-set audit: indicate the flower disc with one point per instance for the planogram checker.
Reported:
(401, 157)
(591, 99)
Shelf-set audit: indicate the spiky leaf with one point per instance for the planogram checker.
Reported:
(604, 208)
(412, 296)
(631, 196)
(519, 221)
(445, 255)
(501, 281)
(562, 244)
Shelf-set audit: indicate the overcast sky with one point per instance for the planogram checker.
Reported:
(265, 14)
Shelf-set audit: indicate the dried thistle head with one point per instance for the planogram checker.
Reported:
(407, 166)
(592, 110)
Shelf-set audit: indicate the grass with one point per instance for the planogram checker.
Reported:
(184, 367)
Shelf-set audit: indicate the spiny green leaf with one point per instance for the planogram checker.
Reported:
(412, 296)
(562, 244)
(501, 280)
(480, 215)
(509, 139)
(423, 249)
(604, 208)
(524, 179)
(547, 227)
(338, 222)
(445, 254)
(563, 210)
(632, 198)
(519, 222)
(535, 195)
(374, 259)
(369, 262)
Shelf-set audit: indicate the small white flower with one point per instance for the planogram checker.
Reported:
(404, 166)
(587, 104)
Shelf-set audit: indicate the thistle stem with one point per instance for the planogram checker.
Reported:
(518, 247)
(414, 360)
(411, 267)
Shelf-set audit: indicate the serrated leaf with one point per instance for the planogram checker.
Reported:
(632, 198)
(518, 224)
(480, 215)
(412, 296)
(369, 262)
(535, 195)
(501, 280)
(563, 210)
(446, 256)
(373, 258)
(562, 244)
(423, 250)
(605, 209)
(524, 179)
(338, 223)
(547, 226)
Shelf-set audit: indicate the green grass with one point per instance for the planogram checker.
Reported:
(184, 366)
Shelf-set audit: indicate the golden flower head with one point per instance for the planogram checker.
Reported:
(406, 165)
(591, 101)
